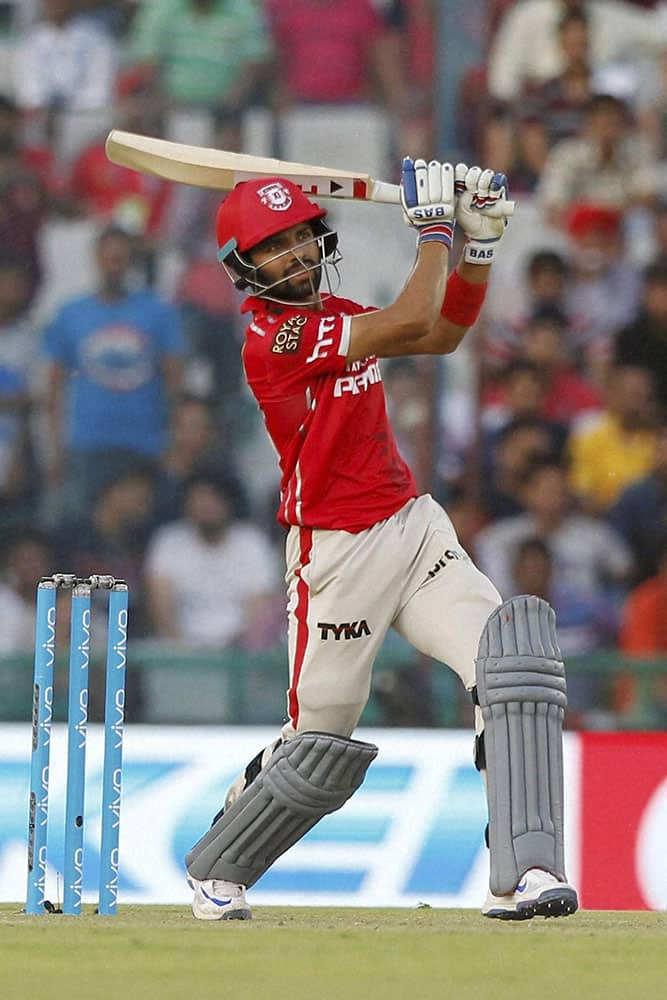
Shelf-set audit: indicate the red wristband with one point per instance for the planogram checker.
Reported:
(463, 300)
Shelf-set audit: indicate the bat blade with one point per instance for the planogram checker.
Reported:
(222, 170)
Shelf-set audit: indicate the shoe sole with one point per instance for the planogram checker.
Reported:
(228, 915)
(552, 903)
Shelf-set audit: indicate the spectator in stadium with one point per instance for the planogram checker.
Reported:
(19, 347)
(587, 553)
(35, 159)
(648, 84)
(516, 447)
(615, 449)
(523, 131)
(23, 196)
(64, 62)
(518, 404)
(113, 17)
(114, 367)
(517, 392)
(111, 194)
(195, 445)
(352, 75)
(26, 556)
(567, 395)
(660, 232)
(553, 345)
(559, 102)
(640, 513)
(208, 59)
(221, 595)
(336, 52)
(607, 165)
(604, 289)
(644, 630)
(405, 387)
(209, 309)
(526, 45)
(114, 535)
(544, 285)
(586, 620)
(644, 636)
(643, 343)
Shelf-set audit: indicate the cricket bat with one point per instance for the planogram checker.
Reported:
(221, 170)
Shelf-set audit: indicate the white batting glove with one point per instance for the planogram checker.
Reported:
(427, 199)
(482, 210)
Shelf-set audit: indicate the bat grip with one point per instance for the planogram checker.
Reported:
(504, 209)
(389, 194)
(384, 192)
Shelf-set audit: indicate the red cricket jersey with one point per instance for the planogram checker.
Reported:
(327, 419)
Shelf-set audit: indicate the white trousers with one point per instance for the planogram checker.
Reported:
(346, 590)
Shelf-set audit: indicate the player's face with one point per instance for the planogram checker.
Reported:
(290, 262)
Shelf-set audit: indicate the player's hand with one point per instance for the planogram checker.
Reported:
(427, 199)
(482, 210)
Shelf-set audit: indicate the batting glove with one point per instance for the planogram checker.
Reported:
(427, 200)
(482, 210)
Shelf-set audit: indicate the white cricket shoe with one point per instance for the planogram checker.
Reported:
(538, 894)
(218, 900)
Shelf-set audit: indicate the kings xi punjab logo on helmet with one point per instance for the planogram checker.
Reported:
(275, 196)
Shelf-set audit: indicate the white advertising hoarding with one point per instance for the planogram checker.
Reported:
(413, 833)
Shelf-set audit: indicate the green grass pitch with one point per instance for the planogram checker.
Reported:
(331, 954)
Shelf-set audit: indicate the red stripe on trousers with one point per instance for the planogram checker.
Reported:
(301, 614)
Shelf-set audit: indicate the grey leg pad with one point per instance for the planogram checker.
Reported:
(522, 695)
(304, 779)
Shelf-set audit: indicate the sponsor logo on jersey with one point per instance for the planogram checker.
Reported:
(275, 196)
(288, 337)
(323, 342)
(346, 630)
(359, 380)
(448, 555)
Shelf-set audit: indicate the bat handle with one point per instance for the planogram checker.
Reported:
(389, 194)
(504, 209)
(384, 192)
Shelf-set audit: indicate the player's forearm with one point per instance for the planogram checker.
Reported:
(418, 306)
(398, 329)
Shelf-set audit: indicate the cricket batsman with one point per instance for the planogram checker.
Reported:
(365, 551)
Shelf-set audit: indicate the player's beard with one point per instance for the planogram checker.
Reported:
(301, 285)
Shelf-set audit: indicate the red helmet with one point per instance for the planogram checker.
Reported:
(257, 209)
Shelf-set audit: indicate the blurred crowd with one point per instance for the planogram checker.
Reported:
(128, 442)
